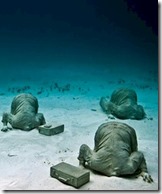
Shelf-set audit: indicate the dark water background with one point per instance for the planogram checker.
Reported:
(65, 37)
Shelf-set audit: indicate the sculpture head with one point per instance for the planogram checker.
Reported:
(139, 113)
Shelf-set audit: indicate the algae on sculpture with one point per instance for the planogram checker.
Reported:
(115, 152)
(24, 113)
(123, 105)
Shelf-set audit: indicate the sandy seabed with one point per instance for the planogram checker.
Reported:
(26, 157)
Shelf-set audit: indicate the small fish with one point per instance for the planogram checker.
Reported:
(11, 155)
(92, 109)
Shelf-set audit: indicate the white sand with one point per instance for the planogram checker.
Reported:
(26, 157)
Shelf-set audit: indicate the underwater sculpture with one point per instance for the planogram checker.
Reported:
(24, 113)
(115, 152)
(123, 105)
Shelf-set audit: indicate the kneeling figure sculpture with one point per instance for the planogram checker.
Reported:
(24, 113)
(123, 105)
(115, 152)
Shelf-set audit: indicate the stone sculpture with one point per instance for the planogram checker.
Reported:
(123, 105)
(24, 113)
(115, 152)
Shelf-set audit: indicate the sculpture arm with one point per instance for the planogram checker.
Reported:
(6, 118)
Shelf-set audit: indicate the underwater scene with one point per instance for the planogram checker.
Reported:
(79, 95)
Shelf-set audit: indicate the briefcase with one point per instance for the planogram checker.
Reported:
(50, 130)
(70, 174)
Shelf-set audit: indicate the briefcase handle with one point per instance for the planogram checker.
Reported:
(62, 179)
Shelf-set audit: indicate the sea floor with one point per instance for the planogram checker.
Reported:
(72, 99)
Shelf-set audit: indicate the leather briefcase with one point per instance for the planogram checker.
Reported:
(70, 174)
(50, 130)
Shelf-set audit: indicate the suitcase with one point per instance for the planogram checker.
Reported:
(50, 130)
(70, 174)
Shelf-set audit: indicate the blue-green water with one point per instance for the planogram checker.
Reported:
(77, 39)
(70, 53)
